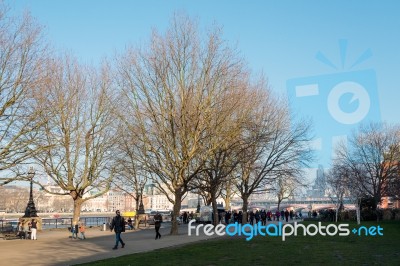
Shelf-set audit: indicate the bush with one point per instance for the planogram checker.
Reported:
(388, 214)
(371, 215)
(368, 215)
(348, 215)
(327, 215)
(396, 214)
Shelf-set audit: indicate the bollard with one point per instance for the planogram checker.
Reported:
(104, 226)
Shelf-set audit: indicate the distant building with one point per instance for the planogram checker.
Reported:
(319, 188)
(119, 200)
(98, 204)
(154, 199)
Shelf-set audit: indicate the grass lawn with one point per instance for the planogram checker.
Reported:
(299, 250)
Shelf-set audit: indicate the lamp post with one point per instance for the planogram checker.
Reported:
(30, 210)
(198, 204)
(141, 207)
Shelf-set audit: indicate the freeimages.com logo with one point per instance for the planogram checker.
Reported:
(281, 230)
(337, 102)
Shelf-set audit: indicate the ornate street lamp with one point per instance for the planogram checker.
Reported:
(30, 210)
(141, 207)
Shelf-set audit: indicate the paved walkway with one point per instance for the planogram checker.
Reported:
(56, 248)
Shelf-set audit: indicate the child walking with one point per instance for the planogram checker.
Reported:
(82, 231)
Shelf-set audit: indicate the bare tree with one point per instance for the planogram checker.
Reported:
(372, 159)
(284, 186)
(394, 189)
(278, 147)
(220, 166)
(78, 129)
(342, 181)
(175, 87)
(130, 175)
(338, 186)
(217, 171)
(22, 56)
(228, 190)
(393, 185)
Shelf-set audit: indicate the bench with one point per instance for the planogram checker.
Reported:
(8, 232)
(8, 235)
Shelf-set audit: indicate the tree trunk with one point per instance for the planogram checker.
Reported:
(215, 209)
(209, 201)
(336, 215)
(176, 211)
(227, 203)
(77, 210)
(227, 198)
(340, 206)
(137, 219)
(279, 203)
(376, 203)
(244, 208)
(137, 203)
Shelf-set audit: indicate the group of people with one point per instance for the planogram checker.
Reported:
(265, 216)
(27, 230)
(118, 223)
(253, 217)
(260, 216)
(78, 228)
(186, 217)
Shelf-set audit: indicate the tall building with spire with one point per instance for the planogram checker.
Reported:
(319, 187)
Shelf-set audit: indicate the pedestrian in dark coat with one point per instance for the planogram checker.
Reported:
(118, 224)
(157, 224)
(287, 215)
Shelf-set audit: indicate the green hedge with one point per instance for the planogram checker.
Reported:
(366, 215)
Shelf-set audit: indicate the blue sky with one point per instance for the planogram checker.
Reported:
(279, 38)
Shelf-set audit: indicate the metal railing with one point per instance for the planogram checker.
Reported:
(53, 223)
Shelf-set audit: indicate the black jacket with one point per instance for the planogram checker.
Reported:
(118, 224)
(157, 220)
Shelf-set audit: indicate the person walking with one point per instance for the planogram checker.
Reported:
(263, 215)
(257, 216)
(287, 215)
(277, 215)
(33, 229)
(157, 224)
(185, 217)
(74, 231)
(251, 217)
(118, 225)
(82, 230)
